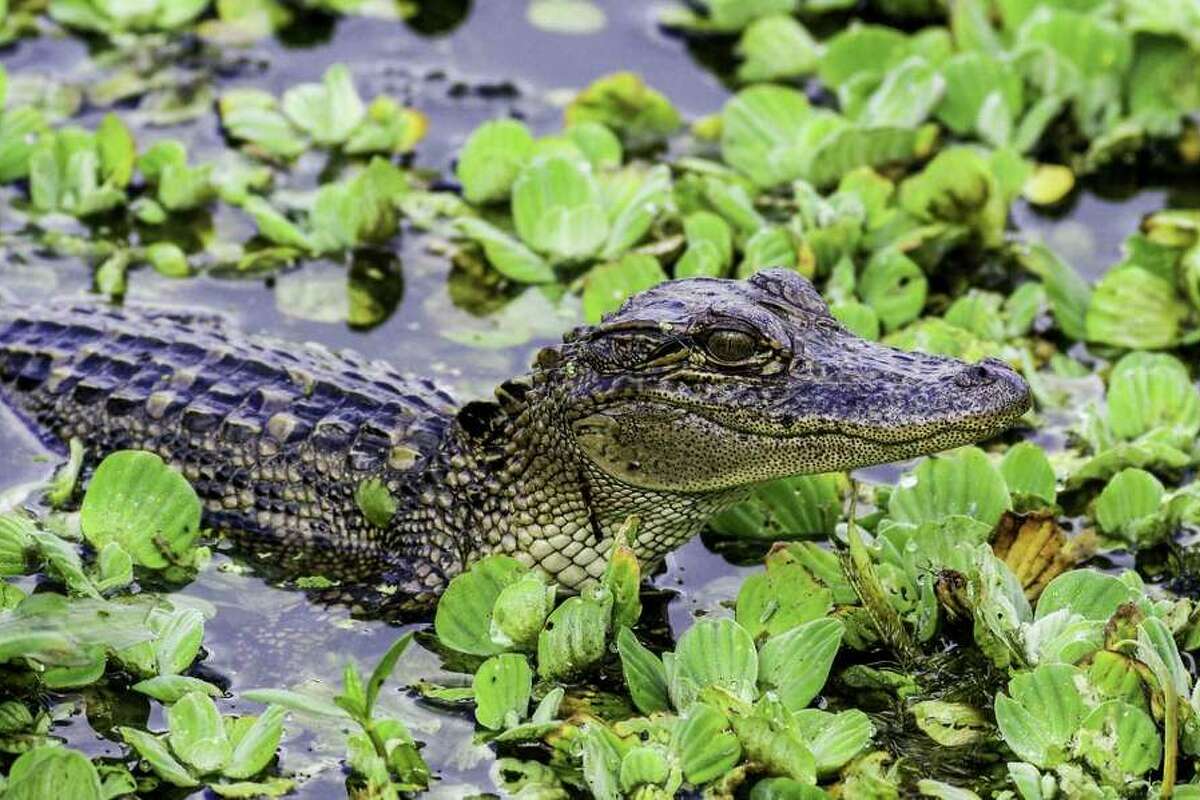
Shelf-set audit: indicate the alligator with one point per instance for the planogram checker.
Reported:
(671, 408)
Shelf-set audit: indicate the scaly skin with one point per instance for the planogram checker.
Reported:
(671, 409)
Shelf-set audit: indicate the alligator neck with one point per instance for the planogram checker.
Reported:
(513, 480)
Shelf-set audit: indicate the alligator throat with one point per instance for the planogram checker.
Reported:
(671, 408)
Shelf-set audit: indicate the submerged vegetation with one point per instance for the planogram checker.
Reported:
(1018, 621)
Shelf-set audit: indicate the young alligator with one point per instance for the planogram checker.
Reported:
(669, 409)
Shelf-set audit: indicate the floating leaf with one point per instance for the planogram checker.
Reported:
(502, 685)
(761, 134)
(1040, 713)
(53, 772)
(145, 506)
(624, 103)
(609, 285)
(464, 614)
(1027, 472)
(835, 739)
(155, 753)
(575, 633)
(777, 600)
(1134, 308)
(644, 674)
(964, 484)
(713, 652)
(509, 256)
(906, 97)
(255, 743)
(1085, 592)
(1149, 391)
(521, 610)
(796, 663)
(895, 287)
(634, 199)
(775, 47)
(197, 732)
(706, 746)
(328, 111)
(1129, 503)
(492, 157)
(557, 208)
(1120, 740)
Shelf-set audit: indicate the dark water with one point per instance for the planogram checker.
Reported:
(491, 63)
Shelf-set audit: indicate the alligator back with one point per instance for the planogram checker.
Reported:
(275, 437)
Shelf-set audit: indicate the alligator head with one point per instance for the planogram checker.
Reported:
(705, 384)
(692, 392)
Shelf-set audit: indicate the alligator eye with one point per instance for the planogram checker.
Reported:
(730, 346)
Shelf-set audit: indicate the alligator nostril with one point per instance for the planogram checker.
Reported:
(976, 375)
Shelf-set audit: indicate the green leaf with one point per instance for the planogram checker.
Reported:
(644, 674)
(1040, 713)
(1069, 293)
(144, 505)
(383, 670)
(1130, 499)
(328, 111)
(775, 47)
(599, 145)
(795, 664)
(155, 753)
(862, 49)
(574, 636)
(895, 287)
(906, 97)
(1085, 592)
(847, 149)
(20, 130)
(115, 145)
(861, 319)
(299, 702)
(170, 688)
(1027, 472)
(963, 484)
(779, 599)
(254, 748)
(375, 501)
(245, 790)
(958, 187)
(53, 772)
(1134, 308)
(197, 733)
(713, 652)
(709, 246)
(167, 259)
(706, 746)
(834, 739)
(253, 116)
(624, 103)
(762, 134)
(502, 685)
(463, 621)
(634, 199)
(558, 209)
(491, 158)
(1151, 391)
(178, 642)
(643, 766)
(623, 576)
(521, 610)
(1095, 46)
(1120, 740)
(971, 79)
(609, 285)
(776, 743)
(510, 257)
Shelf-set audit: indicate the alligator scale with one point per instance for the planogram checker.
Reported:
(669, 409)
